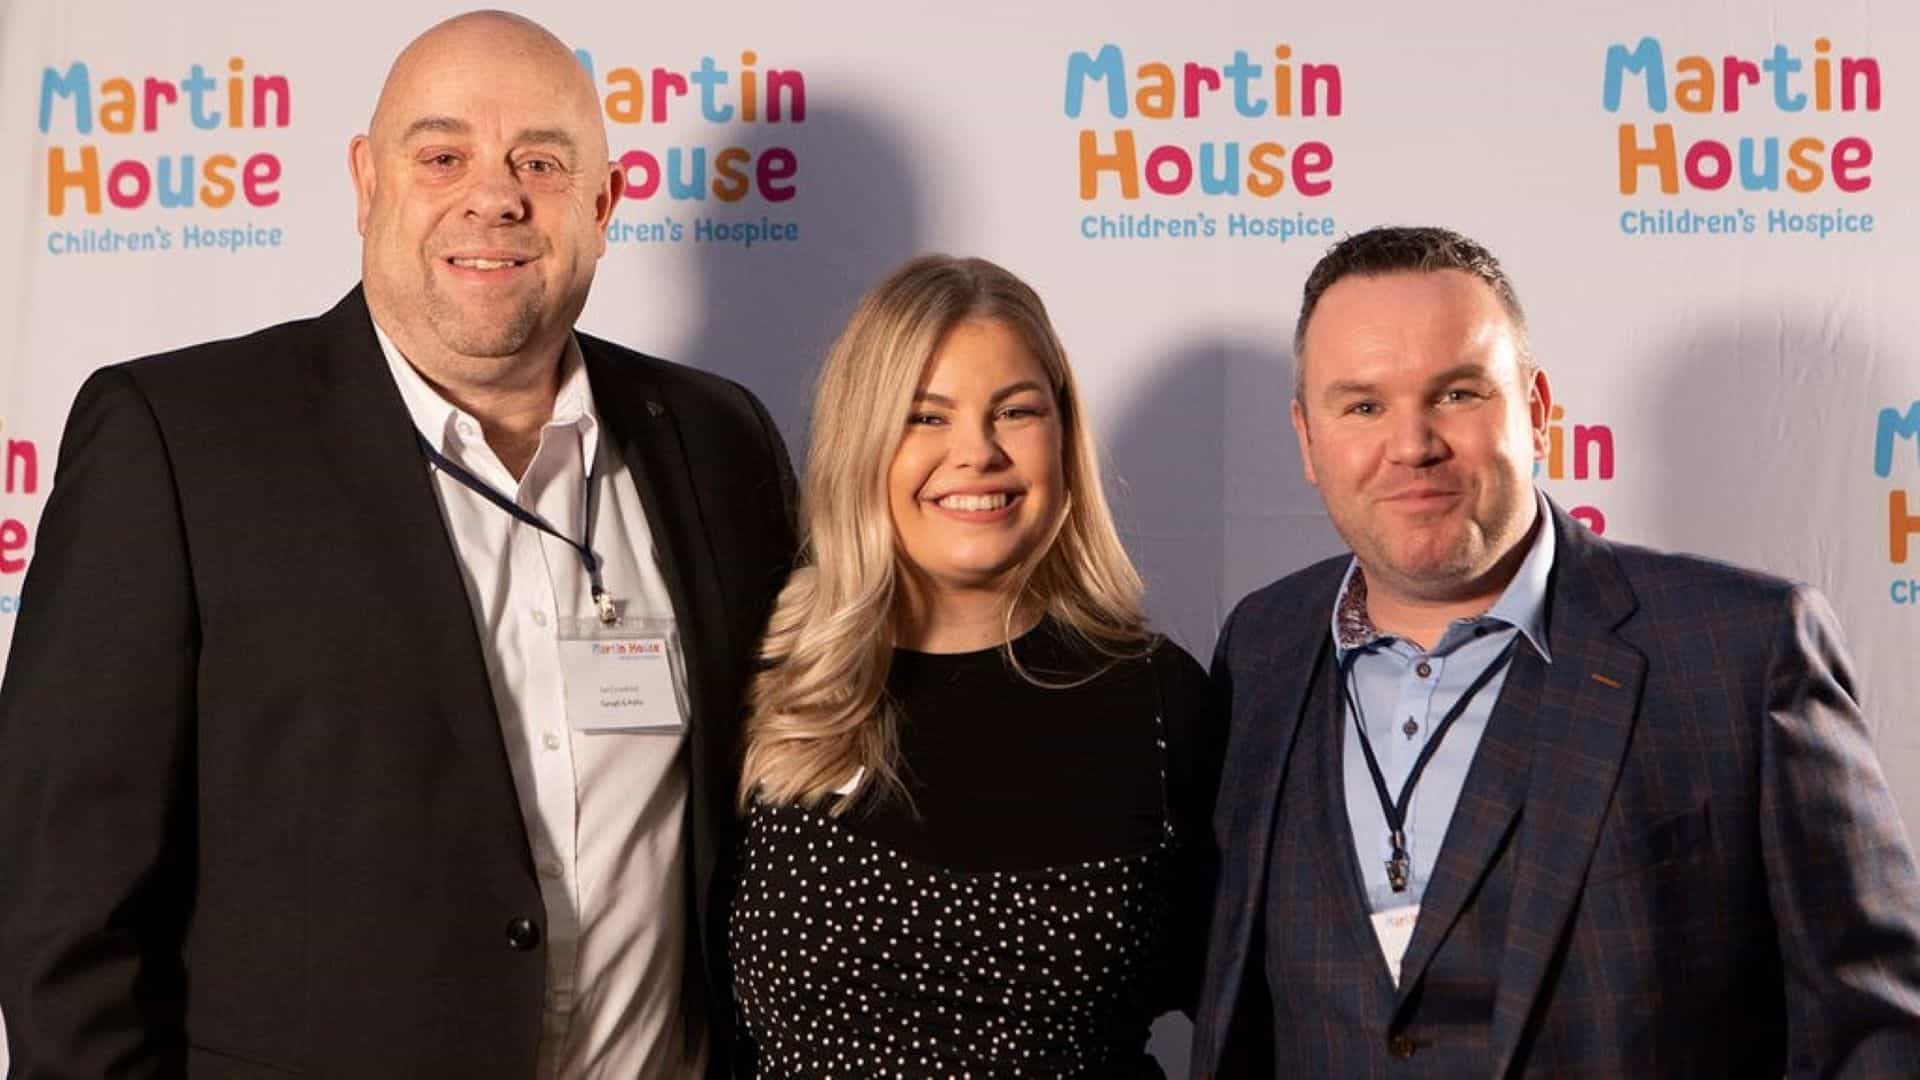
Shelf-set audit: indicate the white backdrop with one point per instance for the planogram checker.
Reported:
(1724, 353)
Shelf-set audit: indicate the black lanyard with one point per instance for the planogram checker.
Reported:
(602, 600)
(1400, 866)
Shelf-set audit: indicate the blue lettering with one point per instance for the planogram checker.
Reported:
(76, 84)
(168, 193)
(1646, 61)
(708, 77)
(1106, 66)
(1891, 426)
(1227, 180)
(1754, 179)
(693, 186)
(1782, 64)
(1243, 72)
(196, 84)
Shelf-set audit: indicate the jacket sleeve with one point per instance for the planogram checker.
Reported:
(1841, 877)
(96, 761)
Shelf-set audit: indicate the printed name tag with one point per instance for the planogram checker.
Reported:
(621, 680)
(1394, 928)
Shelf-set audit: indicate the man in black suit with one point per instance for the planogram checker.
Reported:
(1505, 798)
(311, 759)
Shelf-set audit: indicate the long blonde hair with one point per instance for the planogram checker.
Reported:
(821, 729)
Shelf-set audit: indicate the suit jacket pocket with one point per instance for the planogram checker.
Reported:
(1625, 849)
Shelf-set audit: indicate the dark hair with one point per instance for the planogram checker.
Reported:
(1401, 248)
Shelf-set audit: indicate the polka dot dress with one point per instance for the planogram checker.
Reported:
(852, 960)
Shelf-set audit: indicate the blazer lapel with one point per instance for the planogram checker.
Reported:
(1272, 696)
(1340, 871)
(1582, 727)
(366, 439)
(643, 431)
(1490, 802)
(642, 428)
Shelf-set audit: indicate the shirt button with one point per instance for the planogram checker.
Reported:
(1424, 669)
(1411, 727)
(465, 427)
(551, 741)
(549, 869)
(1400, 1046)
(539, 618)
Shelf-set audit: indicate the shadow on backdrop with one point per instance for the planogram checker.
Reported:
(1204, 474)
(1165, 473)
(769, 312)
(1761, 446)
(1207, 483)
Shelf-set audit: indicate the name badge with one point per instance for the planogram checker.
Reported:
(623, 676)
(1394, 928)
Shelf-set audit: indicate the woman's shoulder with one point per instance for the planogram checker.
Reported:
(1194, 723)
(1187, 698)
(1177, 666)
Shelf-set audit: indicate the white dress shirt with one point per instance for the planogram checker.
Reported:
(604, 811)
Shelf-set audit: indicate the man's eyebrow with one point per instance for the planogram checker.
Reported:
(1343, 387)
(450, 125)
(438, 125)
(549, 136)
(1463, 371)
(1347, 387)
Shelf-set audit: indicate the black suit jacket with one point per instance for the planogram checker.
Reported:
(255, 811)
(1675, 853)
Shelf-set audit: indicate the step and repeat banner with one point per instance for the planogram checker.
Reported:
(1711, 210)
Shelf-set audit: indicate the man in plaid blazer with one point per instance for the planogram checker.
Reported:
(1649, 837)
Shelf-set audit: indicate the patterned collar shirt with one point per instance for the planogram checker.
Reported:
(1403, 692)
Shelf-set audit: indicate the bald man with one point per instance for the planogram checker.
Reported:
(374, 705)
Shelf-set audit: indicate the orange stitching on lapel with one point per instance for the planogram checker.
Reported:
(1604, 681)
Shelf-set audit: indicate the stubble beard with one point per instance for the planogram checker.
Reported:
(490, 333)
(1473, 550)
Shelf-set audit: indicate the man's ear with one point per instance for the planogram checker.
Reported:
(360, 167)
(1539, 411)
(607, 198)
(1299, 416)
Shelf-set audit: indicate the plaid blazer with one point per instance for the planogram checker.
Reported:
(1675, 854)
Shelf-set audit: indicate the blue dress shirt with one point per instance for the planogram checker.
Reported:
(1404, 692)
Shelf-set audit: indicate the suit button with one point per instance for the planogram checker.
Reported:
(1400, 1046)
(523, 934)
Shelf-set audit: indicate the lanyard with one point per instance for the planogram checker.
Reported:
(1400, 866)
(602, 599)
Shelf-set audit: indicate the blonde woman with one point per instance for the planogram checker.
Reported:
(977, 788)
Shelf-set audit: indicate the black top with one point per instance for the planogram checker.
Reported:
(1037, 899)
(1008, 775)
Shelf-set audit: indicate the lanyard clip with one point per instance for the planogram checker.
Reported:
(1400, 866)
(603, 602)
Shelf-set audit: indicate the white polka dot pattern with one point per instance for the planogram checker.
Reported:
(852, 960)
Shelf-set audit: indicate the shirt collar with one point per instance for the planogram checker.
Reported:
(1522, 605)
(439, 419)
